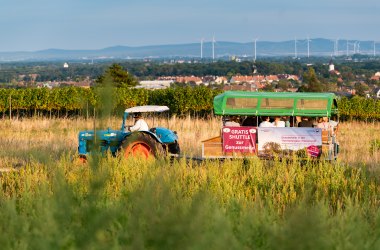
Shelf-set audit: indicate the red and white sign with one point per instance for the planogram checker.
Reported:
(239, 139)
(313, 151)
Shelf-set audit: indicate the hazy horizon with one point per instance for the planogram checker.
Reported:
(86, 25)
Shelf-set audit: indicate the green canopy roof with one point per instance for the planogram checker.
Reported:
(275, 104)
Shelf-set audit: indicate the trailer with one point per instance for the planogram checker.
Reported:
(242, 135)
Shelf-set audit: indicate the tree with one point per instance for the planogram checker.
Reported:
(312, 82)
(268, 88)
(284, 85)
(361, 88)
(119, 77)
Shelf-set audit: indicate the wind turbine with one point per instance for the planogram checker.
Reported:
(295, 48)
(213, 48)
(255, 41)
(308, 47)
(202, 48)
(358, 47)
(336, 47)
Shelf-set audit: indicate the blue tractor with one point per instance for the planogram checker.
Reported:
(156, 142)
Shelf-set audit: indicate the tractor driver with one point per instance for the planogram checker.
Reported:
(140, 123)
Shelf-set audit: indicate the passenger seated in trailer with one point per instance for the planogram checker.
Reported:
(250, 121)
(305, 122)
(286, 119)
(266, 122)
(325, 124)
(233, 121)
(334, 124)
(278, 122)
(292, 121)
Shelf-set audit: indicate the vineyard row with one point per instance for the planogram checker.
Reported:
(74, 101)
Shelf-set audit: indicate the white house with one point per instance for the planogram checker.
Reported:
(155, 84)
(376, 93)
(331, 66)
(220, 80)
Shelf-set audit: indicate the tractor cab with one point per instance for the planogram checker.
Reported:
(268, 124)
(164, 135)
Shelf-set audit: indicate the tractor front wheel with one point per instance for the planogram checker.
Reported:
(174, 148)
(141, 145)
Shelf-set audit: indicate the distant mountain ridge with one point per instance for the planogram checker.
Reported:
(292, 48)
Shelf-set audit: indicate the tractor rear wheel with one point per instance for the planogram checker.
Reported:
(141, 145)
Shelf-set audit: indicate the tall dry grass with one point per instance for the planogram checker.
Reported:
(134, 204)
(25, 139)
(356, 143)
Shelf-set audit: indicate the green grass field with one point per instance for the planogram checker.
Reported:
(54, 202)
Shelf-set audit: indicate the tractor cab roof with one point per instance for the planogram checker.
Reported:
(146, 108)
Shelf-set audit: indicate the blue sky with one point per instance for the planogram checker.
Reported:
(30, 25)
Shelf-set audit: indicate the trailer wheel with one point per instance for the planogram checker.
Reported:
(141, 145)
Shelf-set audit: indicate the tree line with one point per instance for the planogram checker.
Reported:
(150, 70)
(75, 101)
(81, 102)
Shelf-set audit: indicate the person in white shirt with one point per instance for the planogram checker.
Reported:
(278, 123)
(232, 122)
(325, 124)
(140, 124)
(266, 122)
(334, 126)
